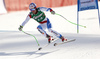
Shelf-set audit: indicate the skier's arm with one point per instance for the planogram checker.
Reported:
(26, 20)
(22, 25)
(47, 9)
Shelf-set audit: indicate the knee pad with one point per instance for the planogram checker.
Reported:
(39, 27)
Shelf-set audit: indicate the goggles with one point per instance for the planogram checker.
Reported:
(32, 9)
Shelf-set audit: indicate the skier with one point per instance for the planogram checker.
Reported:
(38, 15)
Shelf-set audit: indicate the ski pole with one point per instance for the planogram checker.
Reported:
(33, 36)
(70, 21)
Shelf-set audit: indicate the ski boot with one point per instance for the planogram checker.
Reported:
(50, 39)
(63, 39)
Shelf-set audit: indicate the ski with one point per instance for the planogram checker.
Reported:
(55, 44)
(55, 39)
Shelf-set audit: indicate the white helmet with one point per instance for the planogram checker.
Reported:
(32, 6)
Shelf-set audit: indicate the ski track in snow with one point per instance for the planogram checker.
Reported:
(17, 45)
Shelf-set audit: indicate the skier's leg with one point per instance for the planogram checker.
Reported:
(41, 30)
(57, 34)
(49, 26)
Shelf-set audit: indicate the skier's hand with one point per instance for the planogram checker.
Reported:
(53, 12)
(20, 28)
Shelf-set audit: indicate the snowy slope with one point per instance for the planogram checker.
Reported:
(17, 45)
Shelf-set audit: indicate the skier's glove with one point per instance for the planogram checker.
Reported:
(53, 12)
(20, 28)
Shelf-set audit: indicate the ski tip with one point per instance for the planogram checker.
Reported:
(40, 48)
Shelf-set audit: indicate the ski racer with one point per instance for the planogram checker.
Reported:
(44, 23)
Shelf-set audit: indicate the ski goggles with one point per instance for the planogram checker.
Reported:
(32, 9)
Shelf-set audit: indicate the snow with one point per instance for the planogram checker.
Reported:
(17, 45)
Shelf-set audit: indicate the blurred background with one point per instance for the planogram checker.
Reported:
(18, 5)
